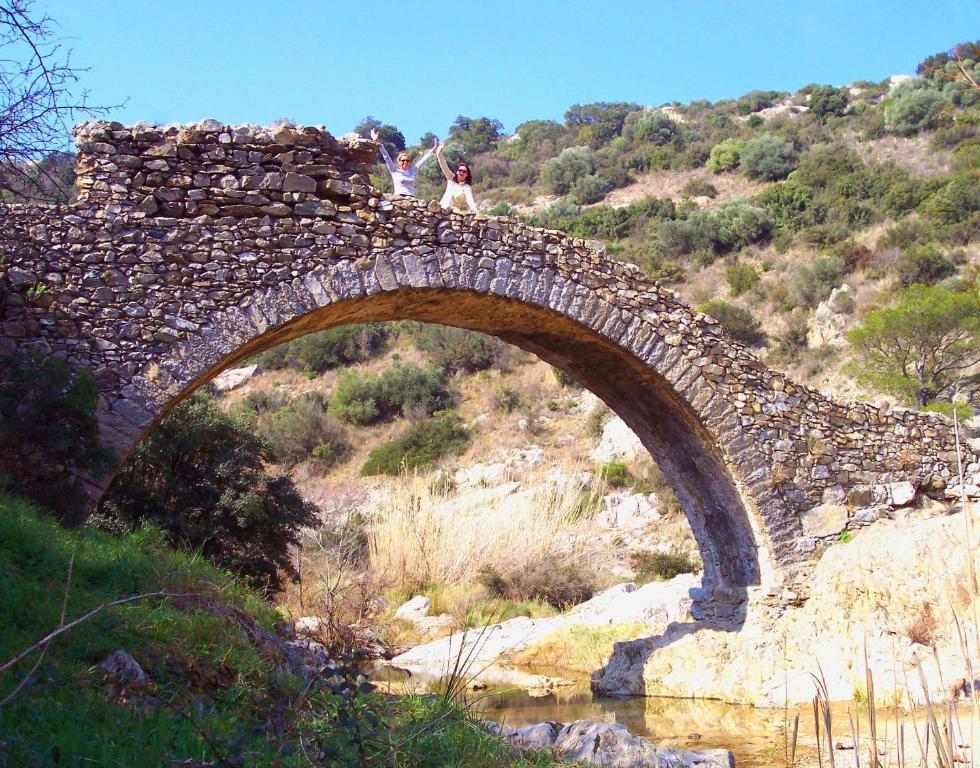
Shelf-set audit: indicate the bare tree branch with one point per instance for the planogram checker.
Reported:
(39, 105)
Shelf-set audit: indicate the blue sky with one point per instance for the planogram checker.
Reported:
(419, 65)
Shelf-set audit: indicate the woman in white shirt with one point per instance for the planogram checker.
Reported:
(402, 171)
(459, 194)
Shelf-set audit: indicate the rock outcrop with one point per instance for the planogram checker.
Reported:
(610, 745)
(892, 590)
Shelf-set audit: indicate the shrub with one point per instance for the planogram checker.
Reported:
(596, 422)
(787, 204)
(700, 188)
(475, 134)
(911, 110)
(711, 233)
(914, 349)
(401, 390)
(826, 101)
(590, 189)
(661, 566)
(739, 322)
(458, 350)
(923, 264)
(767, 157)
(49, 434)
(302, 429)
(200, 476)
(565, 380)
(560, 173)
(956, 201)
(507, 399)
(854, 255)
(419, 447)
(725, 155)
(319, 352)
(755, 101)
(741, 278)
(563, 585)
(813, 282)
(649, 125)
(616, 474)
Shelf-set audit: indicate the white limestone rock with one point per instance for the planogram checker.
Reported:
(234, 378)
(618, 442)
(414, 609)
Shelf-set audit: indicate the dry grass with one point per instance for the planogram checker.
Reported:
(421, 537)
(578, 650)
(672, 183)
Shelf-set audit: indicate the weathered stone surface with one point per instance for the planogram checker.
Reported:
(865, 600)
(188, 243)
(824, 520)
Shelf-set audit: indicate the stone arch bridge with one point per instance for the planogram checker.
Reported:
(192, 248)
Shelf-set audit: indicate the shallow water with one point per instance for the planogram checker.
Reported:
(754, 735)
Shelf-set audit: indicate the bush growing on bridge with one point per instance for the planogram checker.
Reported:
(48, 433)
(319, 352)
(419, 447)
(200, 476)
(403, 389)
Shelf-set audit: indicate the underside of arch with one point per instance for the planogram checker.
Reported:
(665, 423)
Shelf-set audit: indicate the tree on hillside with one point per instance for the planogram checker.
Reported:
(956, 72)
(916, 348)
(390, 136)
(38, 103)
(476, 134)
(825, 101)
(201, 477)
(601, 122)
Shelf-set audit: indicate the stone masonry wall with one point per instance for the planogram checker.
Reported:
(191, 247)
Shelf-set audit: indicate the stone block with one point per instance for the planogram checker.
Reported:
(824, 520)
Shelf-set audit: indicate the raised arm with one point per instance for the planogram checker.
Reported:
(442, 164)
(427, 154)
(384, 152)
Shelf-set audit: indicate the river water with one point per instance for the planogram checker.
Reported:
(754, 735)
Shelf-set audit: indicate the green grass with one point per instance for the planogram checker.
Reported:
(62, 716)
(210, 685)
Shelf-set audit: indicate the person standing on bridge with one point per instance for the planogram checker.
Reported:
(459, 194)
(402, 171)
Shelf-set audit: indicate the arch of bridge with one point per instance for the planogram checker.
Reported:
(192, 248)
